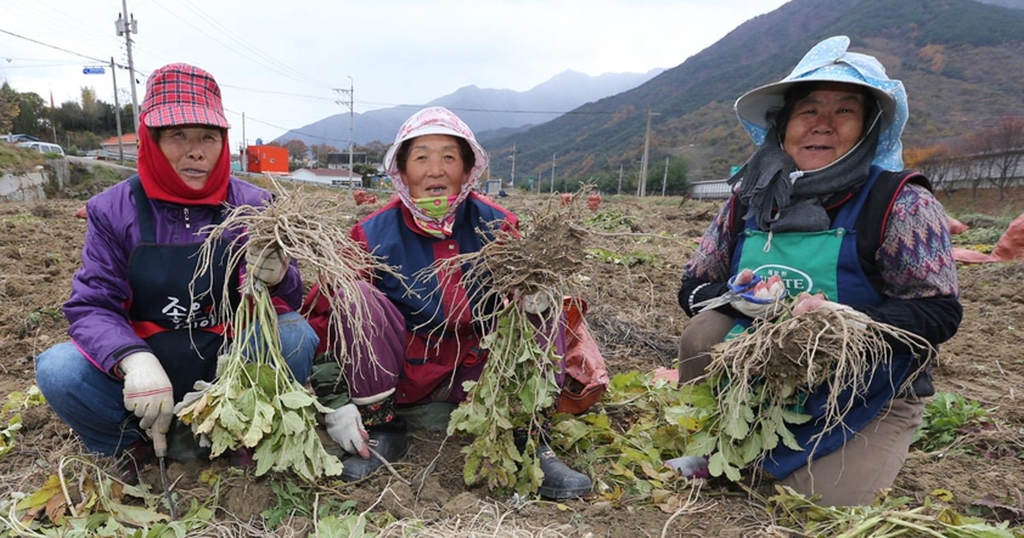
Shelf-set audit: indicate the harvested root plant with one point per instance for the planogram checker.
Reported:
(515, 285)
(757, 382)
(255, 401)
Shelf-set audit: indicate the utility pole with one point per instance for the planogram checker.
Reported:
(620, 181)
(117, 112)
(242, 161)
(350, 92)
(512, 185)
(126, 28)
(664, 180)
(647, 151)
(552, 173)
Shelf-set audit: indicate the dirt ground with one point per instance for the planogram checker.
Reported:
(636, 320)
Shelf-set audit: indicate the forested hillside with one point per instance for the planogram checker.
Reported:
(961, 60)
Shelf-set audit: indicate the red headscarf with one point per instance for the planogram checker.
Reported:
(180, 94)
(161, 181)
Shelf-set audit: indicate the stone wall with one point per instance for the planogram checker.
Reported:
(30, 186)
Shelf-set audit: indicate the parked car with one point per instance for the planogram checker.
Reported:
(43, 147)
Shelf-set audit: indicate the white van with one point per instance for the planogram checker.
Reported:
(43, 147)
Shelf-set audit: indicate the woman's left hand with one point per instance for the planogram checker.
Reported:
(805, 302)
(268, 263)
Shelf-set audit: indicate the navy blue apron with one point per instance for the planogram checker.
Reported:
(184, 333)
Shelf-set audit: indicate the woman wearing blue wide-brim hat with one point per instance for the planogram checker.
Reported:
(823, 210)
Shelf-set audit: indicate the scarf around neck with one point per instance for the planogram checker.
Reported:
(781, 198)
(439, 221)
(161, 181)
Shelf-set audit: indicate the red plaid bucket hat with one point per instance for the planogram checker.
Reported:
(182, 94)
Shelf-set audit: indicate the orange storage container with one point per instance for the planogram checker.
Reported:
(266, 159)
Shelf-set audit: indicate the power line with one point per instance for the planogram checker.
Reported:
(286, 129)
(55, 47)
(216, 23)
(232, 49)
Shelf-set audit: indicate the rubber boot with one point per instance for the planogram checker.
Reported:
(389, 440)
(560, 482)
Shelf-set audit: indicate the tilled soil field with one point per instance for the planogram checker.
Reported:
(634, 316)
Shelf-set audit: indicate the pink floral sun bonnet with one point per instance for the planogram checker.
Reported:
(433, 120)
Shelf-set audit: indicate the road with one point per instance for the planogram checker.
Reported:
(90, 163)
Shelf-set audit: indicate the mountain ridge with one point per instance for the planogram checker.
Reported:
(941, 49)
(485, 109)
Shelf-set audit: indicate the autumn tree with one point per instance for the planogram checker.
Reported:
(938, 163)
(1004, 150)
(10, 107)
(31, 117)
(320, 152)
(296, 149)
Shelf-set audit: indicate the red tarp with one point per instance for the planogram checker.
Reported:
(1009, 247)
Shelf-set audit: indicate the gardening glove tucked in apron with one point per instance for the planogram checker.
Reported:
(147, 391)
(757, 298)
(805, 302)
(345, 426)
(267, 263)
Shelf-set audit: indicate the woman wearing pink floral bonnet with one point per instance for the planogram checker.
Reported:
(424, 344)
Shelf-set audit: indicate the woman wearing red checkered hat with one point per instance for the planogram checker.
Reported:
(139, 338)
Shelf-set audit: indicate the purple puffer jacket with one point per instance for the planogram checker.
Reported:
(97, 309)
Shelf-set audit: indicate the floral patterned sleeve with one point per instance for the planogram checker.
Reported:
(713, 257)
(916, 254)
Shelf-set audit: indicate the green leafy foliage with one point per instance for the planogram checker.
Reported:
(613, 220)
(295, 500)
(515, 388)
(255, 402)
(104, 508)
(10, 415)
(630, 259)
(945, 418)
(639, 423)
(737, 427)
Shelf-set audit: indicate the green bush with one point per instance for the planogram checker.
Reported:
(944, 419)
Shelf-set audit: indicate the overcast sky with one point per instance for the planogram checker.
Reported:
(280, 63)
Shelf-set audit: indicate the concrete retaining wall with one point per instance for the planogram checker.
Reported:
(31, 186)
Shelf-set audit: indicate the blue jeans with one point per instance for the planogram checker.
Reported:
(92, 402)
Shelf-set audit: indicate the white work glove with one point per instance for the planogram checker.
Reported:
(345, 426)
(147, 391)
(757, 298)
(805, 302)
(267, 263)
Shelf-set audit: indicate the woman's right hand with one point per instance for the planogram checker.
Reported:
(147, 391)
(757, 298)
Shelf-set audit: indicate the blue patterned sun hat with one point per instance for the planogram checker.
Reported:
(829, 61)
